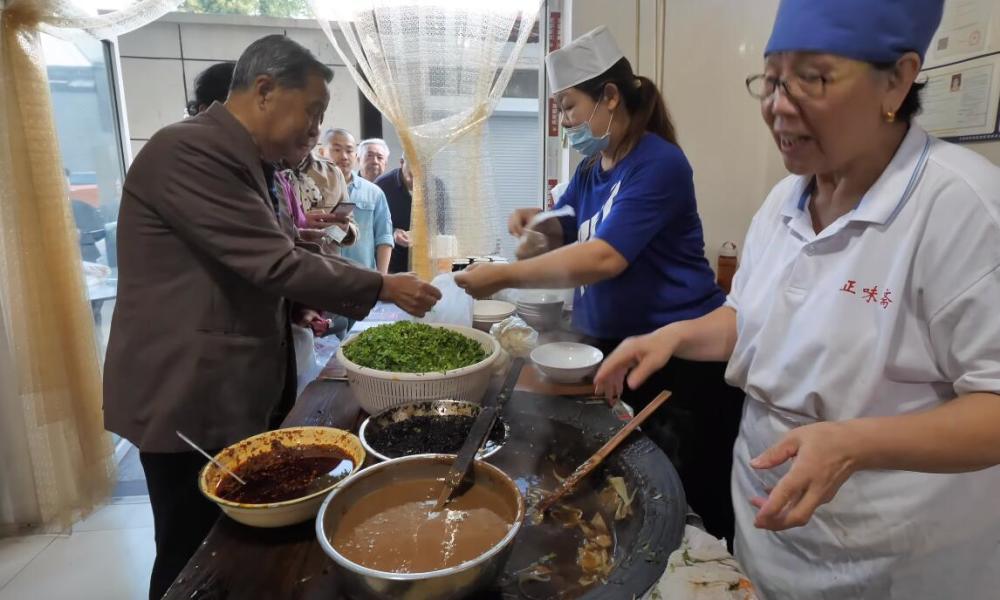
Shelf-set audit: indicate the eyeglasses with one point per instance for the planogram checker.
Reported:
(763, 87)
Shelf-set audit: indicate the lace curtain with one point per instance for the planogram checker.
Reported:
(436, 69)
(55, 457)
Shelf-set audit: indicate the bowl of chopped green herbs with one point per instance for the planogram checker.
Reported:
(398, 363)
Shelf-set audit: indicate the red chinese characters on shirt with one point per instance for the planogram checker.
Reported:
(869, 294)
(886, 300)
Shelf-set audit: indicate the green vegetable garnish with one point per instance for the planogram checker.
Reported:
(407, 347)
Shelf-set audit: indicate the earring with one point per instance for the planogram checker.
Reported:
(890, 116)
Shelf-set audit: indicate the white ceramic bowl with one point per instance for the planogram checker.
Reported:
(289, 512)
(554, 310)
(539, 298)
(567, 362)
(488, 313)
(484, 326)
(492, 310)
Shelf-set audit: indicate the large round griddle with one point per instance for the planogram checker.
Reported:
(547, 430)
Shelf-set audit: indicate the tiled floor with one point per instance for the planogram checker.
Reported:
(108, 556)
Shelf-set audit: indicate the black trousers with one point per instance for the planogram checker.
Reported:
(182, 517)
(696, 429)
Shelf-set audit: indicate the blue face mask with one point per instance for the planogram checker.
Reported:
(582, 138)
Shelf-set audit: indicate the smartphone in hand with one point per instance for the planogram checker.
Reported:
(344, 209)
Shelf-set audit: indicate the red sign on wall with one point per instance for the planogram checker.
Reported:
(555, 42)
(555, 31)
(553, 118)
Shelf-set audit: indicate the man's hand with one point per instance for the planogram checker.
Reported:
(408, 292)
(319, 219)
(313, 320)
(402, 238)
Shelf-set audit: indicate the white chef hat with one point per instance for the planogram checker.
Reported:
(584, 58)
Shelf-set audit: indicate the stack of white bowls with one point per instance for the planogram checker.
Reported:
(487, 313)
(542, 309)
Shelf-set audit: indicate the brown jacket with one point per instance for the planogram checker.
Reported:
(200, 335)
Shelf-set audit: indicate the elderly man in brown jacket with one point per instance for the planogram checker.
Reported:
(208, 267)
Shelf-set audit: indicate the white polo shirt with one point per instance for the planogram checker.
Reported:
(892, 309)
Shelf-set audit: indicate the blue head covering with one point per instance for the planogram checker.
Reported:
(877, 31)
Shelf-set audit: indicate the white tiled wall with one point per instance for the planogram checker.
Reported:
(317, 43)
(709, 51)
(160, 62)
(154, 94)
(157, 40)
(218, 42)
(345, 105)
(136, 146)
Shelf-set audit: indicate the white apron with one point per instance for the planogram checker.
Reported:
(890, 310)
(887, 535)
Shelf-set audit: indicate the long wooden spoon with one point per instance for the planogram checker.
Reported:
(591, 463)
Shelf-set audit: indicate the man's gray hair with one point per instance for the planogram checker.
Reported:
(327, 136)
(373, 142)
(282, 58)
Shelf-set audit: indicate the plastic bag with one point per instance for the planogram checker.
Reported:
(307, 365)
(305, 349)
(455, 306)
(516, 337)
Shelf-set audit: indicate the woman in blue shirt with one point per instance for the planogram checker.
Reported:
(635, 253)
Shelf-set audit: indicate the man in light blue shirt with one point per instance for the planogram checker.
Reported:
(371, 211)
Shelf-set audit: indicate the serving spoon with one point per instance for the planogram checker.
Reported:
(591, 463)
(209, 457)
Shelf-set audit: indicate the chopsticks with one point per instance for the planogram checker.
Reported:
(591, 463)
(209, 457)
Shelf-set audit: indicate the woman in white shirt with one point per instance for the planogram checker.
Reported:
(863, 326)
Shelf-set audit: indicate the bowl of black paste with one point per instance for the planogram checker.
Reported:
(427, 427)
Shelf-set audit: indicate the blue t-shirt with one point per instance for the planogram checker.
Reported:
(645, 209)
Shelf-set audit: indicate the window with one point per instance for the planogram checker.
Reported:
(86, 116)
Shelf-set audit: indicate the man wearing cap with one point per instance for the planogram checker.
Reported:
(862, 325)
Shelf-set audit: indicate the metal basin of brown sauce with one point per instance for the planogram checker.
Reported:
(395, 529)
(388, 542)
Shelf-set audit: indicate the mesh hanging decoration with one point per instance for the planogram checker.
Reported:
(436, 70)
